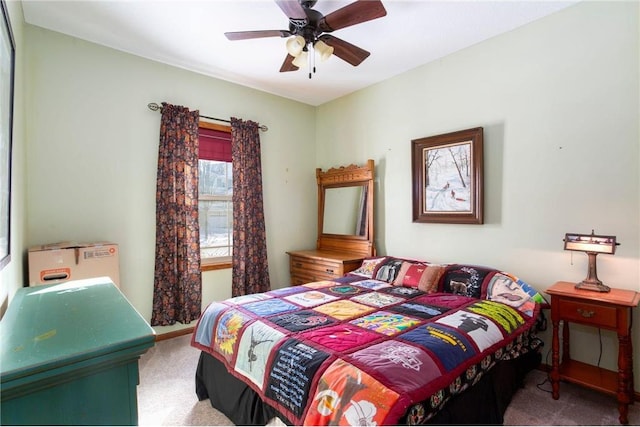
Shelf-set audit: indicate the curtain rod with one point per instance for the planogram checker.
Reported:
(155, 107)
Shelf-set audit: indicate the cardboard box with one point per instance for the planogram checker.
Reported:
(64, 261)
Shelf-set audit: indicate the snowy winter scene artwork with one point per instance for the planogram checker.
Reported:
(447, 178)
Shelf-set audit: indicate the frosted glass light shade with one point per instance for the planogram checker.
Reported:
(295, 45)
(324, 50)
(301, 60)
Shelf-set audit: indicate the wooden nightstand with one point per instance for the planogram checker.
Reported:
(610, 310)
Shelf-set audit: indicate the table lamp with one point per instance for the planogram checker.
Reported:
(592, 245)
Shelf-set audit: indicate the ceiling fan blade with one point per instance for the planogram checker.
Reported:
(244, 35)
(352, 14)
(345, 50)
(287, 65)
(292, 9)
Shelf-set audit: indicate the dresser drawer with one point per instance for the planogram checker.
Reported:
(315, 265)
(301, 279)
(589, 313)
(324, 269)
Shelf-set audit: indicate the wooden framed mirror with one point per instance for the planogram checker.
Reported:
(345, 209)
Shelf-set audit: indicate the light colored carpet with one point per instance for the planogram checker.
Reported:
(166, 395)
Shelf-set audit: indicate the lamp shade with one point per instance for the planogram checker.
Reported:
(592, 245)
(295, 45)
(324, 50)
(300, 61)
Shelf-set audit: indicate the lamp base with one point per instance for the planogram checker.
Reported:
(593, 286)
(592, 283)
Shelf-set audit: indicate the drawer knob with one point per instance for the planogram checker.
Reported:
(298, 264)
(586, 313)
(330, 271)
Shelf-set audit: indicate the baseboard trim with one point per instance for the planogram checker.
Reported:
(547, 368)
(174, 334)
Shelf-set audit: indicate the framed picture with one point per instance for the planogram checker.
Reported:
(447, 178)
(7, 66)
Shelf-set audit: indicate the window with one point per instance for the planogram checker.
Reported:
(215, 190)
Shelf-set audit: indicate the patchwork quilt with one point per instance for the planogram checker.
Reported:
(360, 350)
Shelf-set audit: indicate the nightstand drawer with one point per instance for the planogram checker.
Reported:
(589, 313)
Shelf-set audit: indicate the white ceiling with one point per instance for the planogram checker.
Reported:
(190, 34)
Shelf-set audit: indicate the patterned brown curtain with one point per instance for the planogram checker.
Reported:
(177, 291)
(250, 268)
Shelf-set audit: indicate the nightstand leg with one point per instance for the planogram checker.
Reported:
(555, 361)
(566, 352)
(625, 394)
(630, 359)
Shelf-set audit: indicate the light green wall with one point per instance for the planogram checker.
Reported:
(92, 155)
(559, 103)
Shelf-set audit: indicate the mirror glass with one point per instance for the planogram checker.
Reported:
(345, 210)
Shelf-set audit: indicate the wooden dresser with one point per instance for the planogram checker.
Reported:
(345, 205)
(70, 355)
(316, 265)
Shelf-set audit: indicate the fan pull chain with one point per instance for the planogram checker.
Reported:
(310, 57)
(313, 57)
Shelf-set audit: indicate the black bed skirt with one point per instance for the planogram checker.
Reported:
(484, 403)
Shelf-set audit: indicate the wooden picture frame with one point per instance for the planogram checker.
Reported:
(448, 177)
(7, 70)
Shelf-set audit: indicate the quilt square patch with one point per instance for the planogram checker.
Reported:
(292, 371)
(253, 352)
(204, 331)
(346, 395)
(301, 320)
(509, 318)
(243, 299)
(344, 309)
(403, 291)
(310, 298)
(227, 331)
(319, 285)
(481, 330)
(377, 299)
(403, 366)
(385, 322)
(444, 300)
(449, 346)
(372, 284)
(270, 306)
(285, 291)
(343, 290)
(341, 337)
(422, 311)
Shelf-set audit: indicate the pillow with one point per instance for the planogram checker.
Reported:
(388, 270)
(417, 275)
(368, 267)
(467, 280)
(510, 290)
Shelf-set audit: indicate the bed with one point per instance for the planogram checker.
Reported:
(394, 342)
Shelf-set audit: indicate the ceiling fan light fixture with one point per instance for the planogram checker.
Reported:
(324, 50)
(300, 61)
(295, 45)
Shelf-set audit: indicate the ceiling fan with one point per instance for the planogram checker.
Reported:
(308, 30)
